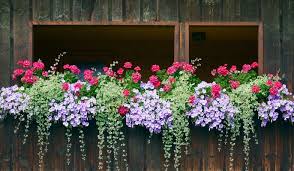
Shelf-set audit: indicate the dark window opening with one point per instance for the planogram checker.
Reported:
(218, 45)
(98, 46)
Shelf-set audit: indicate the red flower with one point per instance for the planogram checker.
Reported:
(155, 68)
(177, 65)
(122, 110)
(126, 92)
(157, 84)
(93, 81)
(172, 80)
(110, 73)
(153, 79)
(17, 72)
(254, 65)
(269, 83)
(215, 90)
(273, 91)
(24, 63)
(222, 70)
(191, 99)
(278, 85)
(88, 72)
(105, 69)
(45, 74)
(246, 68)
(65, 86)
(128, 65)
(171, 70)
(78, 86)
(166, 88)
(188, 68)
(29, 79)
(120, 71)
(136, 76)
(29, 73)
(233, 68)
(234, 84)
(74, 69)
(38, 65)
(137, 68)
(255, 89)
(66, 66)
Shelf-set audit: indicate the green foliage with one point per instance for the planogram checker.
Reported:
(109, 122)
(41, 94)
(178, 135)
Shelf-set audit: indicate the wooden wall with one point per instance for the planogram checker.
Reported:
(275, 152)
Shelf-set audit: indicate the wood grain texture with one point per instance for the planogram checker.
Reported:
(274, 151)
(42, 10)
(61, 10)
(5, 42)
(168, 10)
(190, 10)
(117, 10)
(149, 10)
(132, 10)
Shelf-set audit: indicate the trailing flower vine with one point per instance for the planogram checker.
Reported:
(166, 104)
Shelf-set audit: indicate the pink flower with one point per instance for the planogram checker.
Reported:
(157, 84)
(255, 89)
(215, 90)
(188, 68)
(213, 72)
(17, 72)
(122, 110)
(128, 65)
(222, 70)
(78, 86)
(65, 86)
(137, 68)
(246, 68)
(234, 84)
(278, 85)
(172, 80)
(273, 91)
(153, 79)
(269, 83)
(88, 72)
(177, 65)
(74, 69)
(233, 68)
(105, 69)
(254, 65)
(126, 92)
(29, 79)
(136, 76)
(66, 66)
(155, 68)
(93, 81)
(166, 88)
(171, 70)
(110, 73)
(120, 71)
(45, 74)
(29, 73)
(24, 63)
(191, 99)
(38, 65)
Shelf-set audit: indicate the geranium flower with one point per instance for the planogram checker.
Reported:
(137, 68)
(128, 65)
(234, 84)
(136, 76)
(38, 65)
(255, 89)
(171, 70)
(155, 68)
(246, 68)
(120, 71)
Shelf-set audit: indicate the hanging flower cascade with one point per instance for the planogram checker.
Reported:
(166, 104)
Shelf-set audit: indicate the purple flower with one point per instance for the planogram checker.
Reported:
(149, 110)
(73, 111)
(210, 111)
(13, 101)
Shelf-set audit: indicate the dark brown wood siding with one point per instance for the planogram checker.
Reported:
(276, 148)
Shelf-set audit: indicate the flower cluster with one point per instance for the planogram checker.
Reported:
(29, 72)
(269, 111)
(149, 110)
(209, 110)
(73, 111)
(13, 100)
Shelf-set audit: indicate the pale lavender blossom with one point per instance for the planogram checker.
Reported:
(147, 109)
(73, 110)
(269, 111)
(209, 111)
(13, 101)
